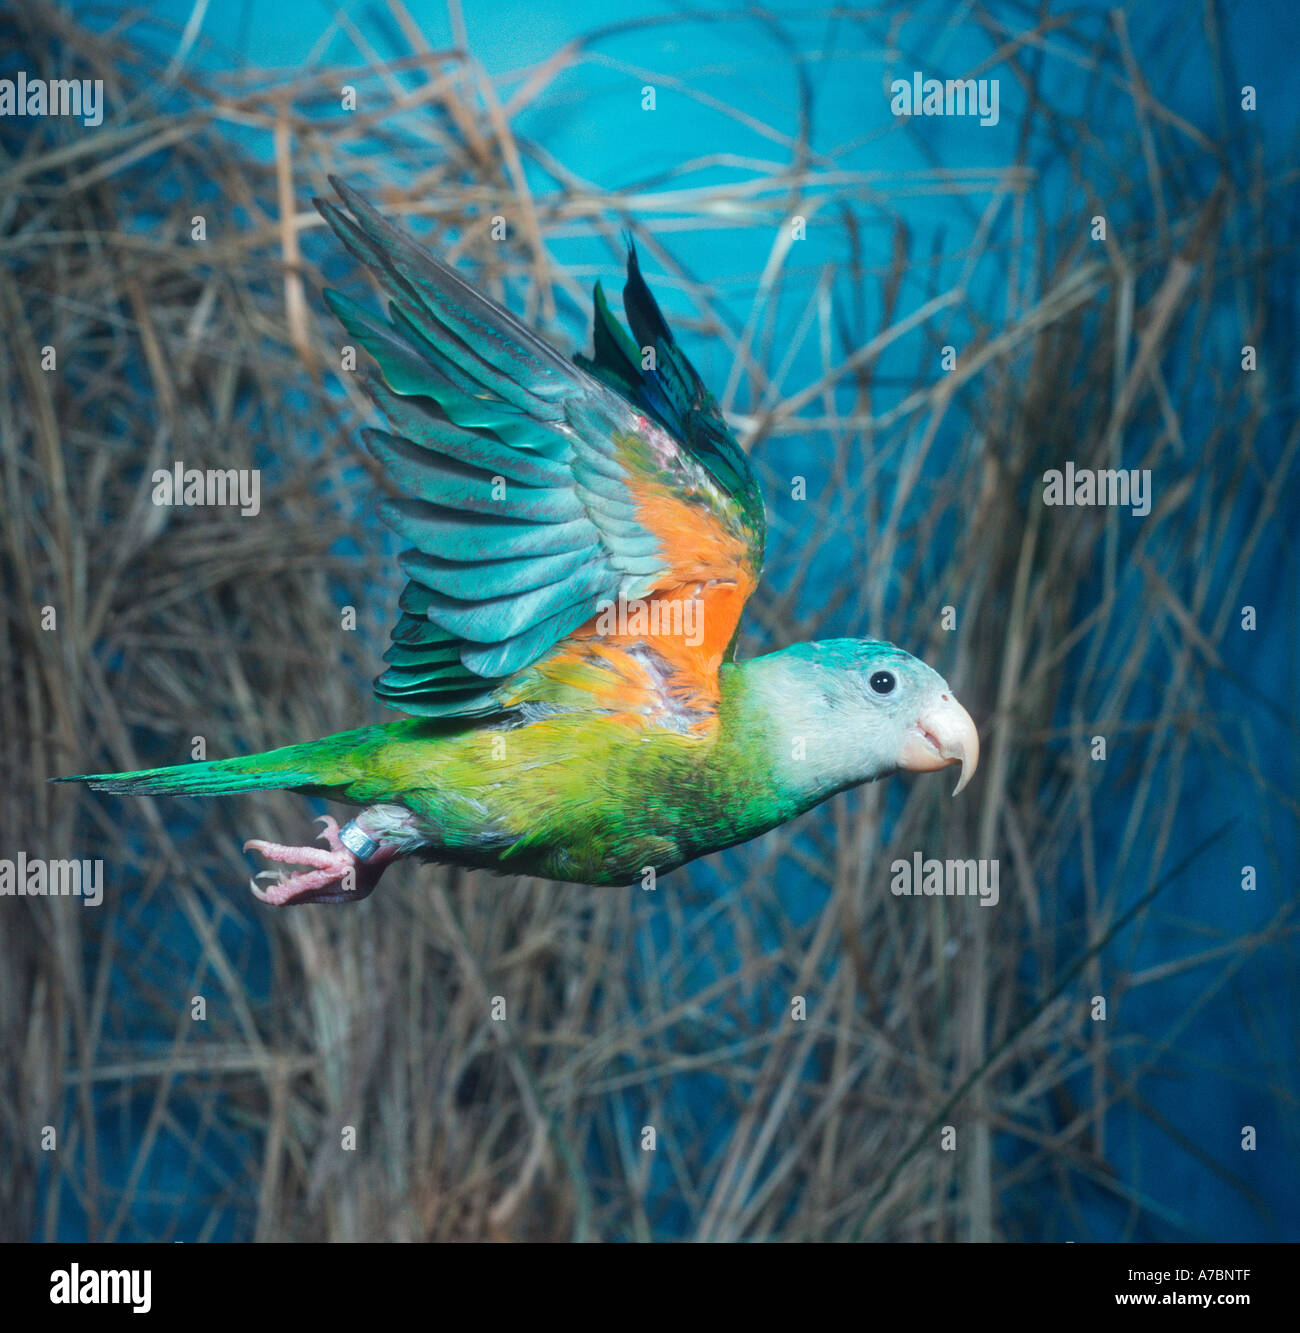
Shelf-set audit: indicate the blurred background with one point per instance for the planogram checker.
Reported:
(907, 321)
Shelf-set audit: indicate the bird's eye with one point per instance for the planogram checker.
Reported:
(882, 681)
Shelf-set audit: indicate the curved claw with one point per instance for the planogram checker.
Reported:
(335, 875)
(329, 831)
(258, 891)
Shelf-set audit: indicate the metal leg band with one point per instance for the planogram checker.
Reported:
(358, 841)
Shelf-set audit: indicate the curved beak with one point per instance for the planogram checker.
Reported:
(942, 734)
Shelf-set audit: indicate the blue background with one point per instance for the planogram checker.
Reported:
(588, 118)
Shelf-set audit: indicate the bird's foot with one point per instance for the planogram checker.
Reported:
(337, 874)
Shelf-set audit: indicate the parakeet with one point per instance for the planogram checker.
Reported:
(583, 538)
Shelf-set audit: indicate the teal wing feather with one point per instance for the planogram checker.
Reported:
(669, 389)
(523, 476)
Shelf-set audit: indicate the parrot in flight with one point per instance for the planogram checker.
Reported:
(583, 538)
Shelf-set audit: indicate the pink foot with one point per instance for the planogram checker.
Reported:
(337, 875)
(330, 831)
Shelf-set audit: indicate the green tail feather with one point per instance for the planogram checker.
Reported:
(307, 768)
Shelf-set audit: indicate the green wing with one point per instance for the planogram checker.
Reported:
(668, 388)
(533, 489)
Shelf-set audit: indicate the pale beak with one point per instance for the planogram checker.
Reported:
(943, 734)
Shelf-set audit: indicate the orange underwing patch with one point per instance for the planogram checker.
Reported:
(710, 564)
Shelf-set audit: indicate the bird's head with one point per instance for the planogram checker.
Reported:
(885, 711)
